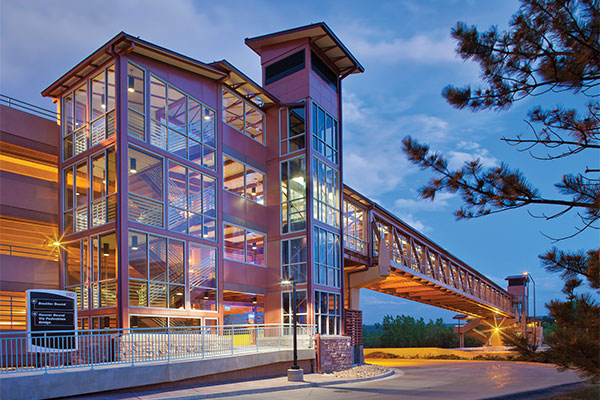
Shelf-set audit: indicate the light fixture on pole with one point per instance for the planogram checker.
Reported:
(528, 275)
(295, 373)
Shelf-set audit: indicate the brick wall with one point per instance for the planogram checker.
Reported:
(334, 353)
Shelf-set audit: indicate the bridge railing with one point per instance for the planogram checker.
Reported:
(423, 257)
(52, 350)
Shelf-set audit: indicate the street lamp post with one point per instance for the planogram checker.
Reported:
(294, 373)
(534, 322)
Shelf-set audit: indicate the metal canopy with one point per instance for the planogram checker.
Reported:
(322, 37)
(245, 86)
(124, 43)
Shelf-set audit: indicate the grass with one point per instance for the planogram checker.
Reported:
(584, 392)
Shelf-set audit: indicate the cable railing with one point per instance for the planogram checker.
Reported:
(27, 107)
(54, 350)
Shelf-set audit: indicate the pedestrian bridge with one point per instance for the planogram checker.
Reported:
(384, 254)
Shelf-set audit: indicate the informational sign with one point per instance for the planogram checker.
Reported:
(52, 320)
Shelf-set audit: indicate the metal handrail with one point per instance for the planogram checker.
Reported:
(27, 351)
(22, 251)
(11, 102)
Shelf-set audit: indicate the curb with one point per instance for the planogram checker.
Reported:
(282, 388)
(543, 391)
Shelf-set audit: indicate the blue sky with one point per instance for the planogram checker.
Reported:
(409, 57)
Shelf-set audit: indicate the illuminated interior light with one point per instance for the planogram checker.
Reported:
(56, 244)
(134, 243)
(207, 117)
(253, 246)
(133, 165)
(178, 294)
(130, 86)
(105, 250)
(254, 301)
(286, 282)
(205, 296)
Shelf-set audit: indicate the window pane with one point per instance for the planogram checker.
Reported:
(157, 257)
(158, 135)
(195, 120)
(110, 88)
(195, 224)
(81, 184)
(145, 211)
(157, 295)
(177, 110)
(208, 127)
(68, 147)
(255, 189)
(233, 110)
(234, 243)
(98, 176)
(145, 174)
(298, 250)
(108, 256)
(138, 260)
(255, 248)
(177, 144)
(208, 157)
(135, 89)
(72, 263)
(68, 193)
(68, 114)
(177, 186)
(210, 228)
(81, 117)
(81, 140)
(158, 100)
(176, 273)
(98, 95)
(209, 199)
(111, 181)
(178, 220)
(177, 297)
(195, 192)
(136, 126)
(203, 299)
(194, 151)
(98, 130)
(138, 293)
(202, 266)
(254, 124)
(233, 176)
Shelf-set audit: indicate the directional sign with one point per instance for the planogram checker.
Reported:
(49, 311)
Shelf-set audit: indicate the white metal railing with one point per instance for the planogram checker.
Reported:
(54, 350)
(27, 107)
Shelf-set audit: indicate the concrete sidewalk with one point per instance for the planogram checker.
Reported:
(234, 389)
(423, 379)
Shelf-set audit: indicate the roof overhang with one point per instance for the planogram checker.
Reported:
(322, 37)
(245, 86)
(125, 44)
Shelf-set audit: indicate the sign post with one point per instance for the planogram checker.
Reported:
(49, 311)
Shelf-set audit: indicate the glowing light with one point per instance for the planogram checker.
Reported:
(525, 273)
(299, 180)
(207, 117)
(55, 244)
(286, 282)
(103, 106)
(131, 90)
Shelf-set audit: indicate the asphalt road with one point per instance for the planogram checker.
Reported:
(414, 379)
